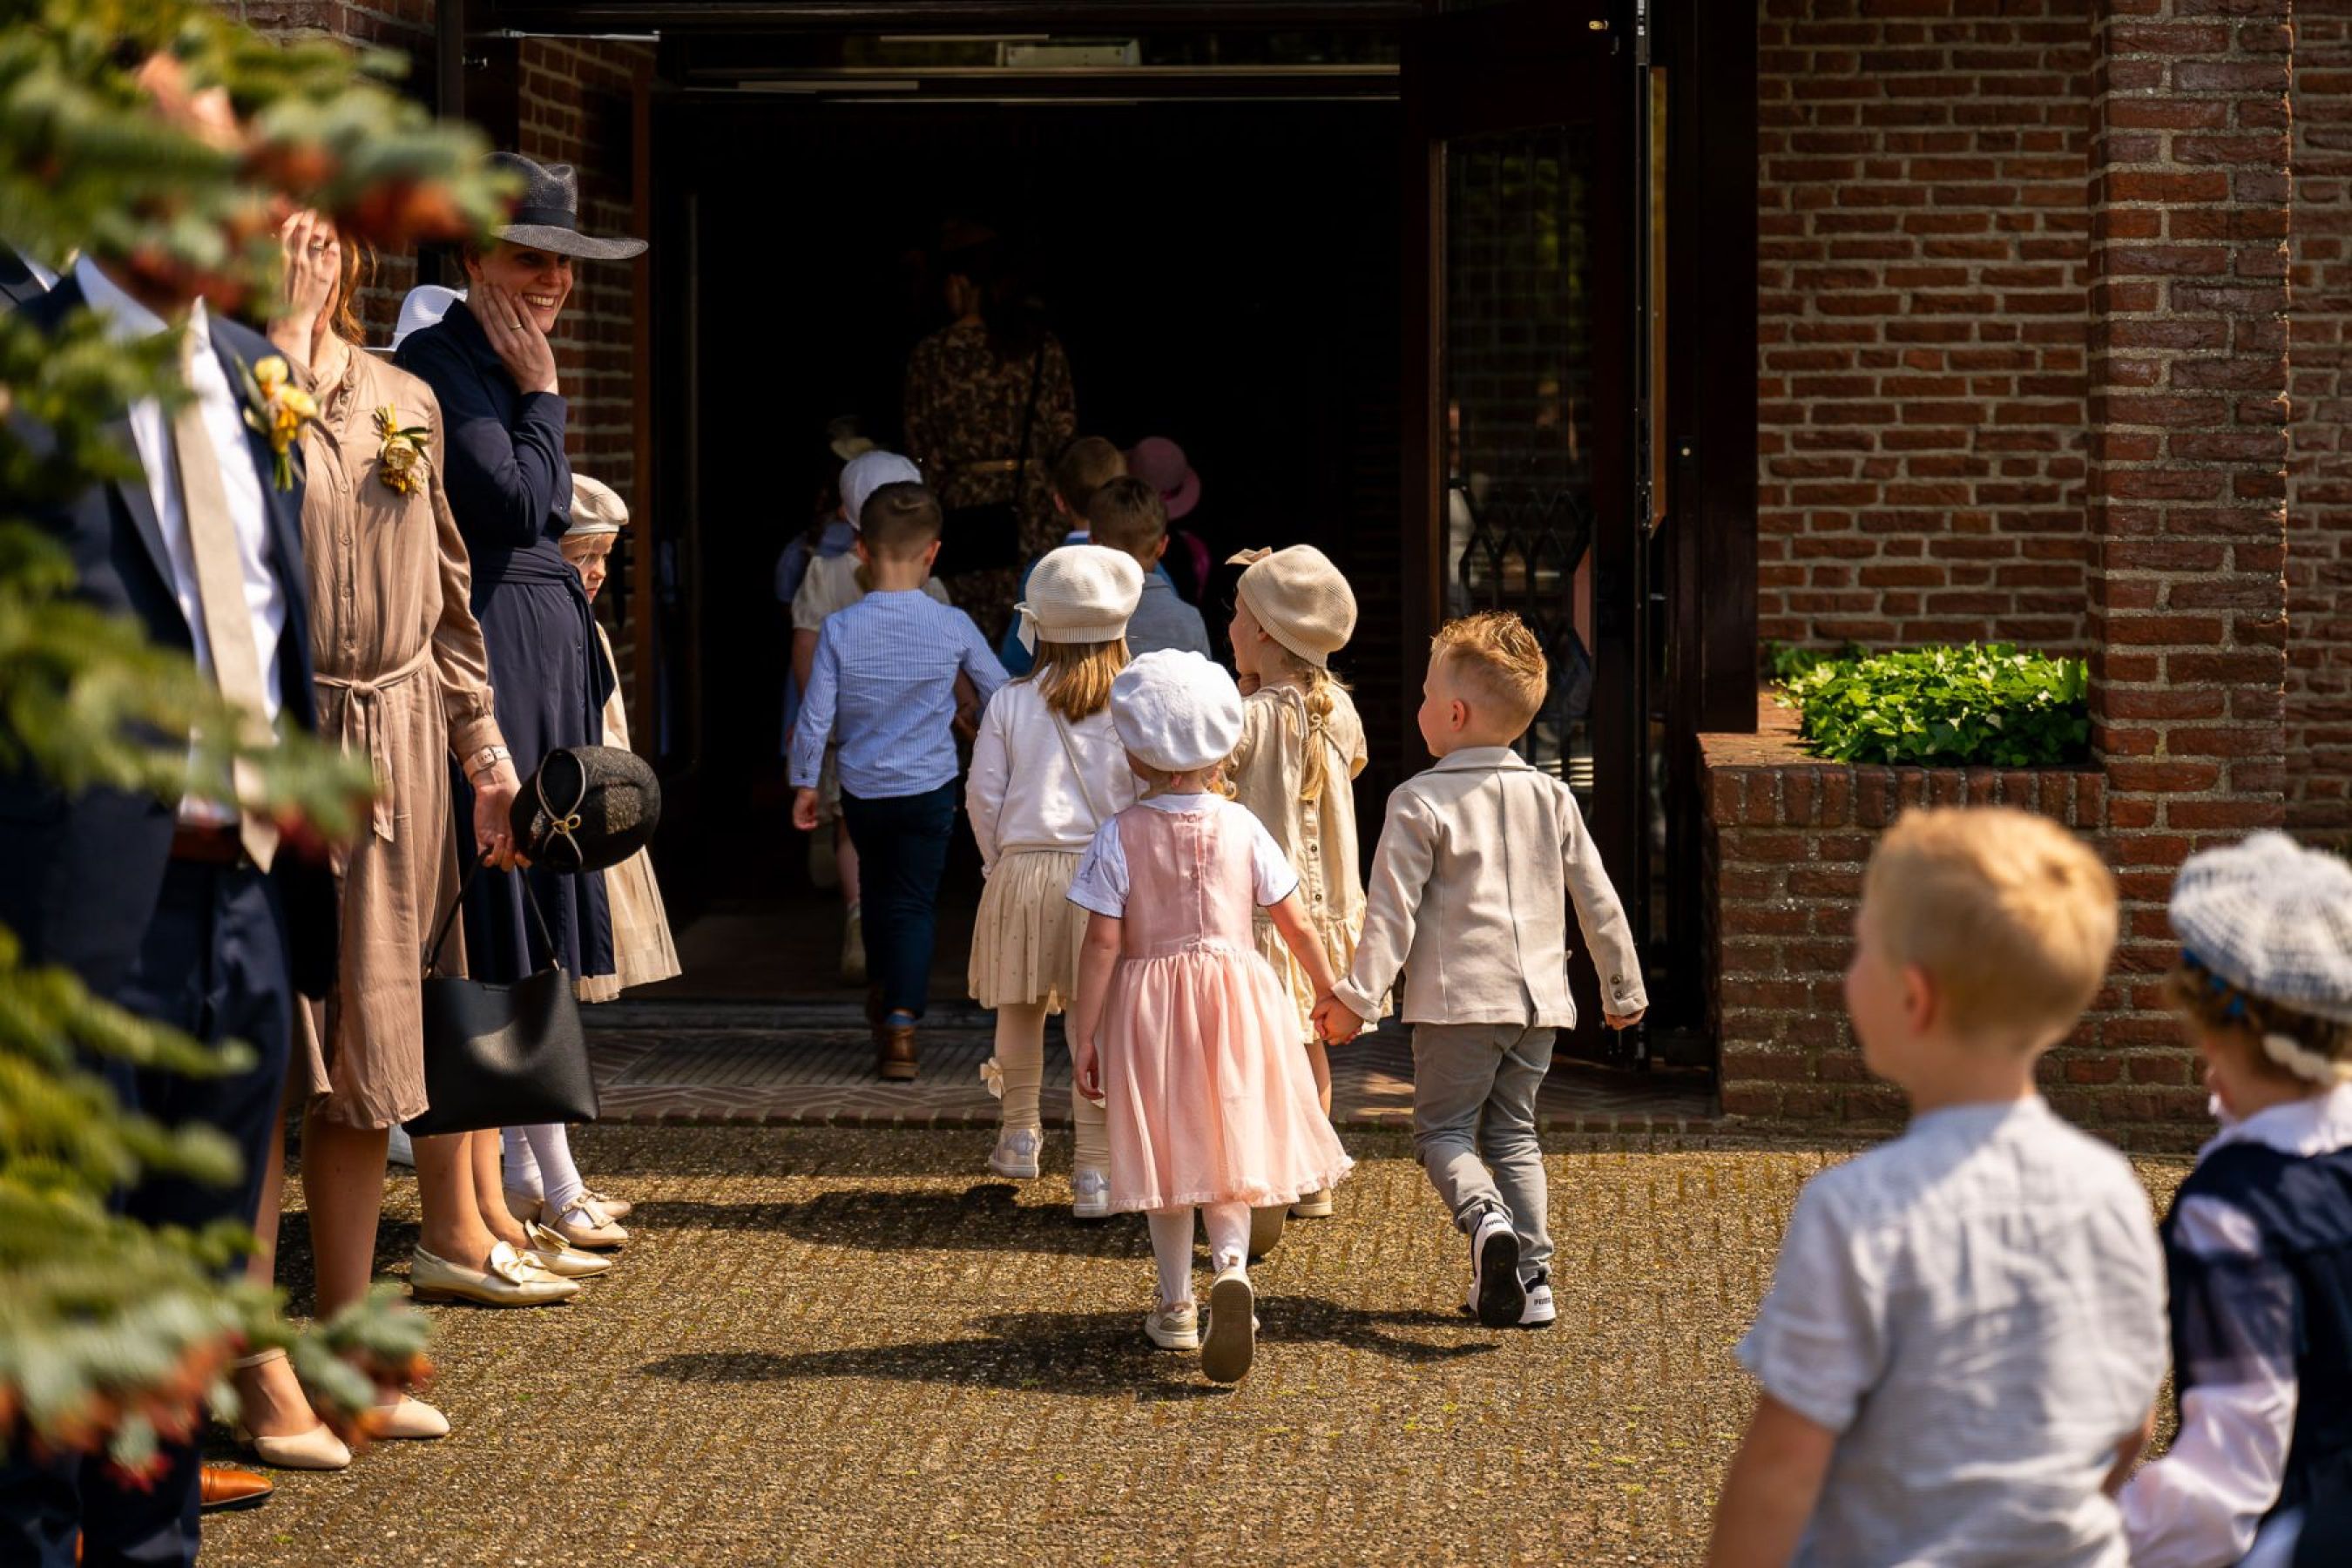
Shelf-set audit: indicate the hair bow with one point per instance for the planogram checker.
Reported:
(1025, 628)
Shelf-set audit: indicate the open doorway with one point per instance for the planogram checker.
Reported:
(1225, 275)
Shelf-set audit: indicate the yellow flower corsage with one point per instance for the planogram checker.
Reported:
(278, 411)
(400, 461)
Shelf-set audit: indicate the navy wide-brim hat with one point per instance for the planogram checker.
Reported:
(585, 809)
(546, 216)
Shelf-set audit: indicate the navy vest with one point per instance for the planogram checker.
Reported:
(2291, 1305)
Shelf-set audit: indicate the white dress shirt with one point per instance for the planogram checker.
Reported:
(128, 320)
(2201, 1504)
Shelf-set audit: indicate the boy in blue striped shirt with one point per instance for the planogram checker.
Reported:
(884, 686)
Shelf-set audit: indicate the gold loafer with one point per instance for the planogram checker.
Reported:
(511, 1280)
(559, 1257)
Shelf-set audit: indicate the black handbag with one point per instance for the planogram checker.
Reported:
(987, 537)
(502, 1054)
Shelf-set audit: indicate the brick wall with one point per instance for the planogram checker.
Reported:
(1922, 319)
(2319, 464)
(1787, 838)
(2188, 445)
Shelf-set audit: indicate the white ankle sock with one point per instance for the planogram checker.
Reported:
(560, 1181)
(1020, 1054)
(1172, 1249)
(521, 1171)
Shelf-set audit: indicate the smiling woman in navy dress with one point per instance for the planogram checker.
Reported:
(509, 485)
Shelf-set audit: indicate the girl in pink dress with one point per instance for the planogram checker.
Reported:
(1181, 1022)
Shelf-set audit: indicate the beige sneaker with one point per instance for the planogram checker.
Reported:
(1313, 1205)
(511, 1280)
(1176, 1328)
(1231, 1343)
(1266, 1230)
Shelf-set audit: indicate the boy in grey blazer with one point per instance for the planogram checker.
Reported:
(1477, 863)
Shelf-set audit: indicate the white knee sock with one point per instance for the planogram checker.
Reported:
(521, 1171)
(1228, 1226)
(1172, 1249)
(1020, 1054)
(558, 1177)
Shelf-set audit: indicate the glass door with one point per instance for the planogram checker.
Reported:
(1519, 393)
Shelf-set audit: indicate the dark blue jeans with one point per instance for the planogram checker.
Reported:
(902, 848)
(212, 964)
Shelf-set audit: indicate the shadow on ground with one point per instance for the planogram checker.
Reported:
(1089, 1354)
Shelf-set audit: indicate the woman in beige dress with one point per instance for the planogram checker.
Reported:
(403, 680)
(643, 951)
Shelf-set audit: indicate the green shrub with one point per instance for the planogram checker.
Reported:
(1986, 705)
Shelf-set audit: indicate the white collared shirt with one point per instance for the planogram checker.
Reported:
(128, 320)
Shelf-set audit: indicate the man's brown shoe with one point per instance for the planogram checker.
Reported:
(894, 1052)
(221, 1487)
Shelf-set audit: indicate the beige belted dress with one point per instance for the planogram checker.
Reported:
(643, 951)
(403, 680)
(1319, 835)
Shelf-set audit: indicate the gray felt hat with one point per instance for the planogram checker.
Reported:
(546, 216)
(2274, 919)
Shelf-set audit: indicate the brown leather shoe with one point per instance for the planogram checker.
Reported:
(894, 1053)
(223, 1488)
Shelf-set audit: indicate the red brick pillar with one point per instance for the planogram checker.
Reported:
(2188, 409)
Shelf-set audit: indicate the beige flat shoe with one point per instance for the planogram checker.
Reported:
(407, 1420)
(523, 1205)
(511, 1280)
(585, 1223)
(619, 1208)
(559, 1257)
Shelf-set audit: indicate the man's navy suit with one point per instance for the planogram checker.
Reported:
(89, 882)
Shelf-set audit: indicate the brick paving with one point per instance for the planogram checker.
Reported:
(843, 1345)
(774, 1064)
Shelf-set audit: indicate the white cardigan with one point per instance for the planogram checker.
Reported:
(1023, 793)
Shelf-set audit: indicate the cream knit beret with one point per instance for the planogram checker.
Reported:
(1176, 710)
(2273, 919)
(1300, 599)
(596, 508)
(1080, 593)
(869, 472)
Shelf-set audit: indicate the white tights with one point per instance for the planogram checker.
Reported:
(1171, 1244)
(1021, 1056)
(539, 1161)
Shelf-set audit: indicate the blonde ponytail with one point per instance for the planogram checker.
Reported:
(1315, 685)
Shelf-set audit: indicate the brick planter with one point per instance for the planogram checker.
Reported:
(1785, 839)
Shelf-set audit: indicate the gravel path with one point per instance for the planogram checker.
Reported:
(833, 1345)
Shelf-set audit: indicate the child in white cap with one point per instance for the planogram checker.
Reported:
(834, 582)
(2258, 1242)
(1302, 746)
(1179, 1023)
(1047, 771)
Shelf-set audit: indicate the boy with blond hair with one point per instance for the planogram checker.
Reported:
(1478, 863)
(1959, 1356)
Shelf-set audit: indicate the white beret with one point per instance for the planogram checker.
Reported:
(596, 508)
(869, 472)
(2273, 919)
(1176, 710)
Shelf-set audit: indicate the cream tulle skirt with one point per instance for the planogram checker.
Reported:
(1025, 941)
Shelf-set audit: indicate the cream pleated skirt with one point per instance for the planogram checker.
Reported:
(1025, 941)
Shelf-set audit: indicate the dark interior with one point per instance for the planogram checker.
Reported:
(1223, 274)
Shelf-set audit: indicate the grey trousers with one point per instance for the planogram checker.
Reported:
(1474, 1125)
